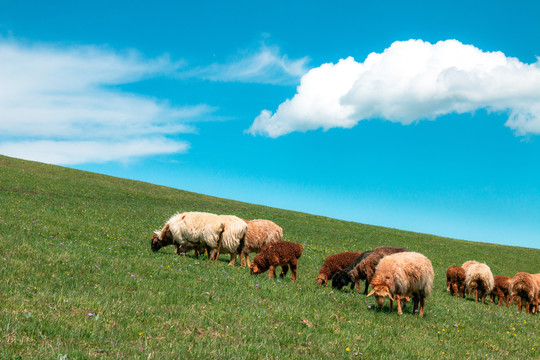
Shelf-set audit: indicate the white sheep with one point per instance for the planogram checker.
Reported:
(479, 281)
(233, 236)
(190, 230)
(400, 276)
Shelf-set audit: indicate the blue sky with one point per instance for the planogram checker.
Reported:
(418, 116)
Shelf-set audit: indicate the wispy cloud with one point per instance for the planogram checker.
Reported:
(410, 81)
(266, 66)
(63, 105)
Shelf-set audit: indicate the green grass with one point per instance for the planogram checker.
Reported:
(74, 243)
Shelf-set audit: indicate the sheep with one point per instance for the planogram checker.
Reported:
(341, 278)
(402, 275)
(466, 264)
(189, 230)
(259, 233)
(455, 281)
(536, 303)
(524, 286)
(366, 268)
(479, 281)
(272, 255)
(233, 237)
(500, 289)
(334, 263)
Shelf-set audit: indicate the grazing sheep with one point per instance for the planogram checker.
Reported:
(466, 264)
(500, 289)
(479, 281)
(189, 230)
(455, 281)
(342, 277)
(366, 268)
(402, 275)
(334, 263)
(536, 303)
(259, 233)
(272, 255)
(524, 287)
(233, 237)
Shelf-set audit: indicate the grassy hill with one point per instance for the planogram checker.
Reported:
(77, 278)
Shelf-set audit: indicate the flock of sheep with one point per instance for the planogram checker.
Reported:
(392, 272)
(477, 279)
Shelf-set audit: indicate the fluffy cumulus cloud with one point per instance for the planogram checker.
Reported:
(64, 105)
(410, 81)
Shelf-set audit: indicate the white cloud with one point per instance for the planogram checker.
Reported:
(267, 66)
(63, 106)
(410, 81)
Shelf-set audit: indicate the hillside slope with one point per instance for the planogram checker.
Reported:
(77, 278)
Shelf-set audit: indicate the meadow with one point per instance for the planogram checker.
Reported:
(78, 281)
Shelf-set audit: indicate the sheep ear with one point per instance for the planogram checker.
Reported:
(389, 295)
(371, 293)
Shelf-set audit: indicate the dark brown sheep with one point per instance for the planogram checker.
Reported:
(502, 284)
(524, 286)
(342, 278)
(365, 270)
(334, 263)
(272, 255)
(455, 281)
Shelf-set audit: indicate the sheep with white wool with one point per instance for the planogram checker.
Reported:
(232, 238)
(200, 230)
(259, 233)
(479, 281)
(400, 276)
(189, 230)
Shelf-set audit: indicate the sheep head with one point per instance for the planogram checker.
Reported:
(254, 269)
(340, 279)
(381, 291)
(161, 239)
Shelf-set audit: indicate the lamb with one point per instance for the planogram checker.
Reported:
(365, 270)
(402, 275)
(479, 281)
(259, 233)
(334, 263)
(524, 286)
(189, 230)
(500, 289)
(272, 255)
(341, 278)
(455, 281)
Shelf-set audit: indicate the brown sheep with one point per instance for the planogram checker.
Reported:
(335, 263)
(536, 303)
(455, 281)
(272, 255)
(524, 286)
(366, 268)
(400, 276)
(501, 289)
(259, 233)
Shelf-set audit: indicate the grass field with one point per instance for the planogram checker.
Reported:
(78, 280)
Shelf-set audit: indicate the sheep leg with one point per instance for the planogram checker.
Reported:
(415, 303)
(242, 259)
(399, 309)
(366, 288)
(476, 295)
(233, 259)
(454, 289)
(293, 270)
(247, 260)
(284, 270)
(176, 249)
(448, 284)
(422, 304)
(272, 272)
(501, 297)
